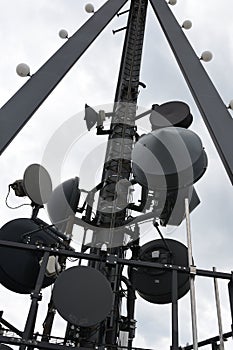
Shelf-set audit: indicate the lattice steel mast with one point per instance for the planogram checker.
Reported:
(117, 165)
(112, 205)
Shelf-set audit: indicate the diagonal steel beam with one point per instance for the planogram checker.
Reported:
(19, 109)
(213, 110)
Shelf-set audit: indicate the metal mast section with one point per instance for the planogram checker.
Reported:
(113, 198)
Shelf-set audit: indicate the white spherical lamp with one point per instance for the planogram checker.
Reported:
(206, 56)
(89, 8)
(187, 24)
(23, 70)
(63, 34)
(172, 2)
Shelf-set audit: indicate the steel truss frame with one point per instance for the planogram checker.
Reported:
(28, 337)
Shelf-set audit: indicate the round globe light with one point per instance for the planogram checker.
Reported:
(23, 70)
(89, 8)
(187, 24)
(63, 34)
(172, 2)
(206, 56)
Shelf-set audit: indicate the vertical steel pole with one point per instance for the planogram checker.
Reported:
(218, 307)
(230, 290)
(192, 287)
(175, 333)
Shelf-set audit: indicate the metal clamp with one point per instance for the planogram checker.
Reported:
(193, 270)
(111, 259)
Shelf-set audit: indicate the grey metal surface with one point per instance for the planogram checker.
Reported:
(213, 110)
(19, 109)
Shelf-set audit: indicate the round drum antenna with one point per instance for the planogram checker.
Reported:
(82, 296)
(154, 285)
(174, 113)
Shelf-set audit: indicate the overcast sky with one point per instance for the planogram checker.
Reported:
(29, 33)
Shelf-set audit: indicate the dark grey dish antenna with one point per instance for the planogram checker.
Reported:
(37, 183)
(174, 113)
(82, 296)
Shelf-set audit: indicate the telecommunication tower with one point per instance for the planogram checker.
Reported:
(144, 177)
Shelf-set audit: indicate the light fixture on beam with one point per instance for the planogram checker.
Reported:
(23, 70)
(63, 34)
(187, 24)
(89, 8)
(206, 56)
(172, 2)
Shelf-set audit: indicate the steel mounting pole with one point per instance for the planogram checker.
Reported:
(175, 324)
(218, 308)
(192, 276)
